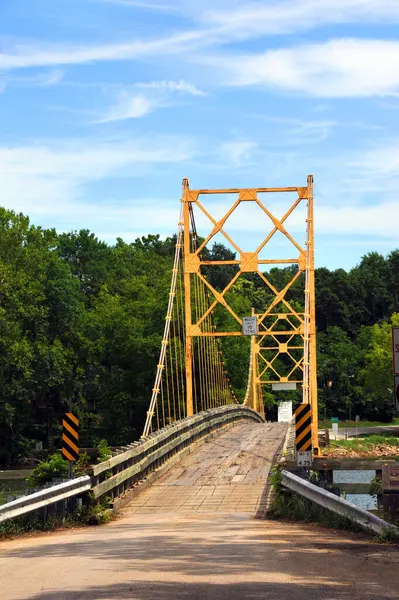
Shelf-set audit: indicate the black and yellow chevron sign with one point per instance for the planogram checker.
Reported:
(70, 437)
(303, 428)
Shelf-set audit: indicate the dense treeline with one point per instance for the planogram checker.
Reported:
(81, 324)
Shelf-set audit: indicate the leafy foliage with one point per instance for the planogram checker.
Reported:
(104, 451)
(46, 470)
(81, 325)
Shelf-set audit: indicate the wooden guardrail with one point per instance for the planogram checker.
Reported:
(120, 472)
(133, 463)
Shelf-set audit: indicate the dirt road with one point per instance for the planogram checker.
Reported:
(190, 549)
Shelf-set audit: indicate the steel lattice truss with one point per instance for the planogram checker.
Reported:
(249, 262)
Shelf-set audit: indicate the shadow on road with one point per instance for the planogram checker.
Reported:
(230, 557)
(194, 591)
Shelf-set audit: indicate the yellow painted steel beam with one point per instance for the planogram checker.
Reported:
(187, 303)
(250, 190)
(271, 381)
(312, 322)
(302, 323)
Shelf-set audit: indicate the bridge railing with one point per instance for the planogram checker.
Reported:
(120, 472)
(113, 477)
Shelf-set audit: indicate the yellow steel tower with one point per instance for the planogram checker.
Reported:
(272, 336)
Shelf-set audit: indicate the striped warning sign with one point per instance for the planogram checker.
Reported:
(70, 437)
(303, 428)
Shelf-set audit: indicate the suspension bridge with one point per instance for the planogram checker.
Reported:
(191, 374)
(204, 459)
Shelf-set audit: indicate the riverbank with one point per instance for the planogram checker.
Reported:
(366, 446)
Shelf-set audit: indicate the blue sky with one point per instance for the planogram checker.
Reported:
(105, 105)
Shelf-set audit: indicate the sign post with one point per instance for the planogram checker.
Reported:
(303, 435)
(357, 425)
(334, 426)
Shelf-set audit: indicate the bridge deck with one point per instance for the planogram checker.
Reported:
(228, 473)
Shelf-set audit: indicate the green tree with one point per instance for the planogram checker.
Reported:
(376, 374)
(338, 371)
(88, 259)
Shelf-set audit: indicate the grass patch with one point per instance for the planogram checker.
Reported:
(367, 446)
(27, 524)
(366, 442)
(388, 535)
(371, 445)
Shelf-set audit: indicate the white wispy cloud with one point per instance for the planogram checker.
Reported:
(48, 179)
(43, 79)
(172, 86)
(378, 162)
(131, 104)
(215, 24)
(294, 131)
(243, 17)
(194, 9)
(155, 6)
(40, 55)
(332, 69)
(250, 19)
(238, 152)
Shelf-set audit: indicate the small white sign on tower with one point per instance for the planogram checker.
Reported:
(250, 326)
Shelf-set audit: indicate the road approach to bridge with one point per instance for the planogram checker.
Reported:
(193, 536)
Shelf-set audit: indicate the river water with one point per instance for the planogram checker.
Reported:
(363, 500)
(13, 483)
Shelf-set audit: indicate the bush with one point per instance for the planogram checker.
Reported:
(82, 465)
(104, 451)
(46, 470)
(92, 512)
